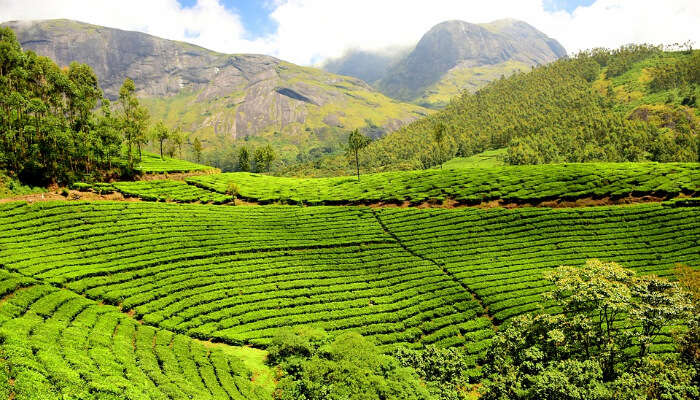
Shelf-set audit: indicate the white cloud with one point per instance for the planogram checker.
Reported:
(312, 30)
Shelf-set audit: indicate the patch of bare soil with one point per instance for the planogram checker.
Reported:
(59, 194)
(72, 195)
(556, 203)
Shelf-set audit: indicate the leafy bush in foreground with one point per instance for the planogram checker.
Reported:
(347, 367)
(597, 347)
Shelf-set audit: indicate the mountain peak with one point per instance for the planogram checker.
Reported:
(460, 44)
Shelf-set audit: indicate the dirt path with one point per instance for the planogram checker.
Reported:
(439, 265)
(73, 195)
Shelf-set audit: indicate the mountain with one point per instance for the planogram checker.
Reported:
(457, 55)
(222, 97)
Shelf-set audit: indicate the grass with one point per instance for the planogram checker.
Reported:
(10, 187)
(254, 360)
(520, 184)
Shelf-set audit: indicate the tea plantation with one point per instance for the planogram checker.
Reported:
(58, 344)
(166, 190)
(173, 273)
(114, 299)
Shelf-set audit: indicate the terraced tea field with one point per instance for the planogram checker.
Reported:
(166, 190)
(237, 273)
(516, 184)
(234, 274)
(55, 344)
(112, 299)
(501, 254)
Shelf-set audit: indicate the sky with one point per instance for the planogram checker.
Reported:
(307, 32)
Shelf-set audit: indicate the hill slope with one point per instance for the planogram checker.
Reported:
(636, 103)
(218, 96)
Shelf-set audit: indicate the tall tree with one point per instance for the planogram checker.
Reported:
(264, 156)
(178, 138)
(244, 159)
(128, 102)
(439, 137)
(141, 120)
(268, 156)
(197, 148)
(134, 118)
(161, 133)
(357, 142)
(108, 134)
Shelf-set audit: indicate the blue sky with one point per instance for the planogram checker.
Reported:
(565, 5)
(254, 15)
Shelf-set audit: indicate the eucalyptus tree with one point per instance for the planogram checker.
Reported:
(357, 142)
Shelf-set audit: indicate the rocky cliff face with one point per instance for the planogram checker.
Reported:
(159, 67)
(214, 94)
(456, 55)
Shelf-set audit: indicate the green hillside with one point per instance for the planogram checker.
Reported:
(465, 78)
(329, 107)
(632, 104)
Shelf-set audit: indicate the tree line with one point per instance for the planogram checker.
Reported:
(57, 127)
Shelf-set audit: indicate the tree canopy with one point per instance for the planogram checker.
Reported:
(347, 367)
(597, 347)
